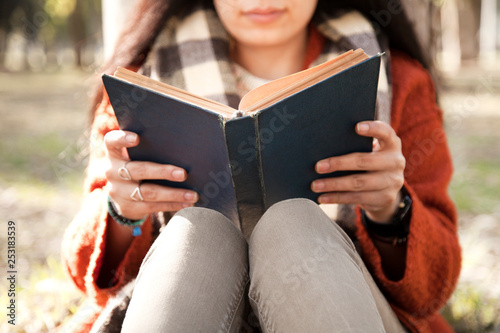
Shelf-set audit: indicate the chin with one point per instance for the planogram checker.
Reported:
(264, 38)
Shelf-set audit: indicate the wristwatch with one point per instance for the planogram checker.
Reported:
(395, 232)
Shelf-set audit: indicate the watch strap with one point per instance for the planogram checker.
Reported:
(398, 229)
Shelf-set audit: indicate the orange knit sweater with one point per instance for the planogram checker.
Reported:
(433, 255)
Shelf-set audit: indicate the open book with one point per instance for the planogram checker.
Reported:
(243, 161)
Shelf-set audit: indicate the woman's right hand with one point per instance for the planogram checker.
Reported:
(156, 198)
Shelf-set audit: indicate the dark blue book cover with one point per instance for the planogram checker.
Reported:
(241, 166)
(314, 124)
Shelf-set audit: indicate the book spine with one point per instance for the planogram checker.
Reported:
(242, 148)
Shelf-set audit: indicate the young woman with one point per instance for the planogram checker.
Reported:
(299, 271)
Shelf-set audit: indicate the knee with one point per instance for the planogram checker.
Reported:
(300, 215)
(202, 228)
(295, 225)
(204, 221)
(286, 213)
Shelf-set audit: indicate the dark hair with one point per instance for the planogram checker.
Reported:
(146, 18)
(144, 23)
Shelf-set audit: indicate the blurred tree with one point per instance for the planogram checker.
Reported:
(13, 14)
(77, 21)
(469, 15)
(450, 52)
(51, 26)
(114, 16)
(78, 30)
(6, 10)
(424, 15)
(488, 31)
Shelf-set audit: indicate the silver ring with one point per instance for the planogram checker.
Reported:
(137, 195)
(123, 173)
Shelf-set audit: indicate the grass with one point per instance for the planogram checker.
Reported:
(475, 305)
(43, 156)
(475, 188)
(472, 311)
(46, 298)
(476, 155)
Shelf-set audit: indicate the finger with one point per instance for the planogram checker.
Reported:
(174, 199)
(149, 170)
(372, 199)
(116, 140)
(152, 193)
(372, 181)
(137, 210)
(158, 193)
(375, 161)
(383, 132)
(166, 206)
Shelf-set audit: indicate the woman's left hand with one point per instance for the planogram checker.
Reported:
(377, 190)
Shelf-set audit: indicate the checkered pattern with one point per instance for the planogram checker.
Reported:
(193, 54)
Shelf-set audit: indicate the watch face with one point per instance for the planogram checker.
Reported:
(404, 207)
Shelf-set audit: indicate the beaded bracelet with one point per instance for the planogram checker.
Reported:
(113, 212)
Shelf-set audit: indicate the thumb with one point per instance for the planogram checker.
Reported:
(116, 142)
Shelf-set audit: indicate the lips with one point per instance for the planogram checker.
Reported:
(264, 15)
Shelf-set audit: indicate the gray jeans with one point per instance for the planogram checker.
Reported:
(299, 272)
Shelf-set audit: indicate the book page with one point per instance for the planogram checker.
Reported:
(277, 90)
(174, 92)
(258, 98)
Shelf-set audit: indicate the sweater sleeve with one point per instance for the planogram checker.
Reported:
(433, 253)
(84, 242)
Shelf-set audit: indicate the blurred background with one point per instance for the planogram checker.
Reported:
(50, 53)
